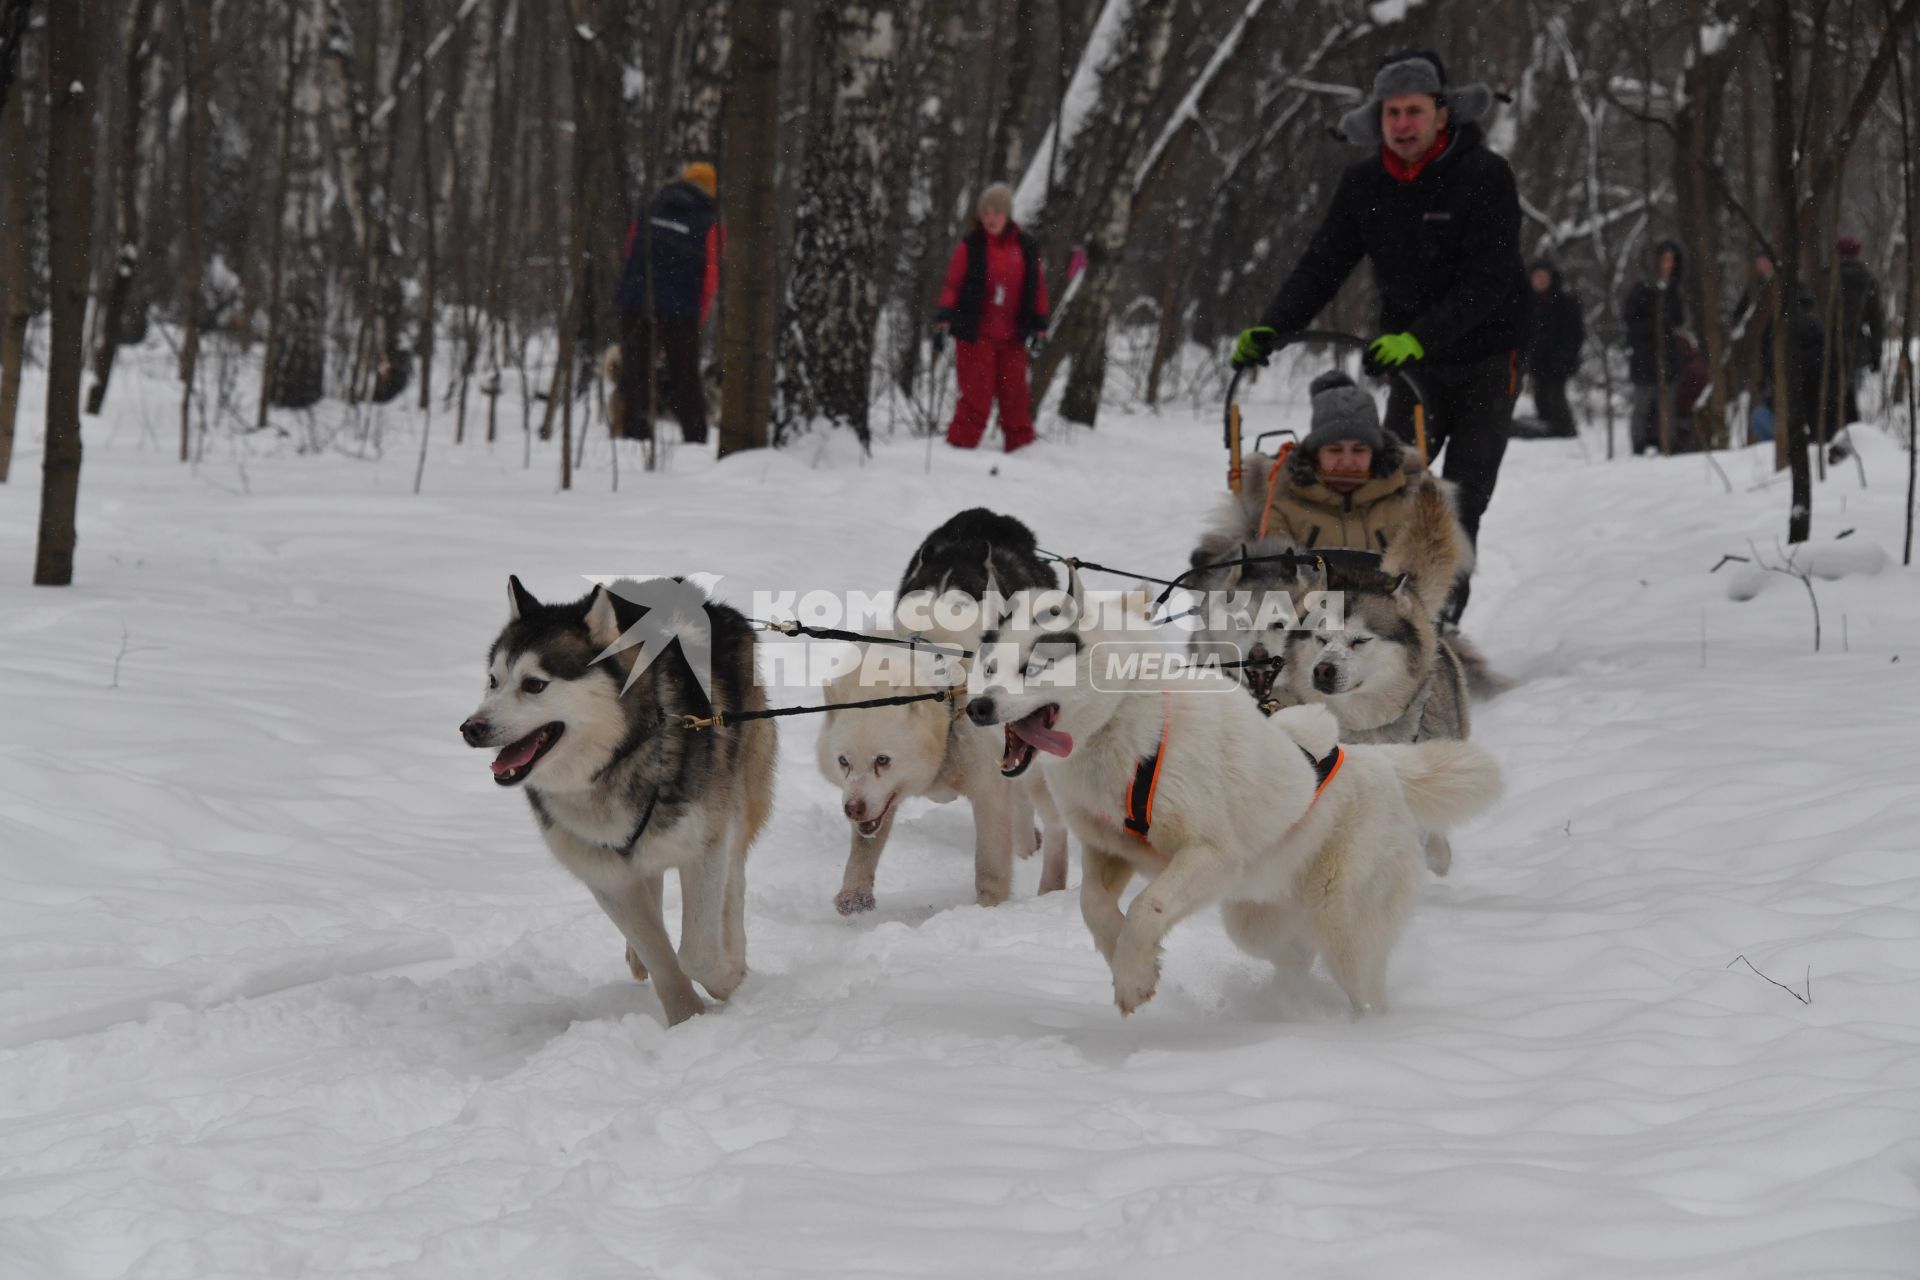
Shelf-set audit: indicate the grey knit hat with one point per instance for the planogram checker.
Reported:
(1342, 411)
(1418, 72)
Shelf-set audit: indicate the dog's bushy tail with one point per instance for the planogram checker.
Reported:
(1446, 781)
(1482, 680)
(1431, 547)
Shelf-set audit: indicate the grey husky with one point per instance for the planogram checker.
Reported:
(622, 789)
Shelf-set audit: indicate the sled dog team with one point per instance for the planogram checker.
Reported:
(1304, 810)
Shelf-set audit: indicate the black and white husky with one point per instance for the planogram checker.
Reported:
(621, 788)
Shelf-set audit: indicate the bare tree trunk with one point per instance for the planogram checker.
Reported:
(749, 304)
(196, 63)
(695, 131)
(1911, 382)
(13, 33)
(600, 207)
(429, 301)
(1007, 153)
(16, 254)
(139, 50)
(826, 347)
(1697, 129)
(1083, 335)
(1791, 422)
(276, 254)
(70, 174)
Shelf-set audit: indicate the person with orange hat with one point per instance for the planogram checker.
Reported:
(666, 293)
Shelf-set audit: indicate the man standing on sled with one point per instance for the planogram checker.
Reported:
(1438, 216)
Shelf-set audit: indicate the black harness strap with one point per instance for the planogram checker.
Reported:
(1146, 778)
(626, 850)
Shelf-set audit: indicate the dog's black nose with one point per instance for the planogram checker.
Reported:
(981, 711)
(1325, 676)
(475, 731)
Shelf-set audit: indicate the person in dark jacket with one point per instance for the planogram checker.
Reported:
(1652, 313)
(993, 305)
(1862, 321)
(1553, 349)
(1438, 216)
(666, 293)
(1759, 304)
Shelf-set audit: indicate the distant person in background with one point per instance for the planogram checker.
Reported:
(1759, 305)
(1653, 311)
(1756, 307)
(666, 293)
(1862, 321)
(1553, 349)
(994, 304)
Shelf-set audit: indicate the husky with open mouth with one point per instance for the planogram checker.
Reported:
(881, 756)
(621, 789)
(1311, 847)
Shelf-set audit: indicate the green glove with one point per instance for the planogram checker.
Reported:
(1254, 345)
(1395, 349)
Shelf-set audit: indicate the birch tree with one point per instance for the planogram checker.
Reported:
(1132, 78)
(832, 304)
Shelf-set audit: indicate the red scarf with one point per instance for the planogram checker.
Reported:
(1404, 172)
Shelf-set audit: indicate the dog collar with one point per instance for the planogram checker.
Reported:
(1146, 775)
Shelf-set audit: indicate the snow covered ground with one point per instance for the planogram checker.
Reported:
(289, 988)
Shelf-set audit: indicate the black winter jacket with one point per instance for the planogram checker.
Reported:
(1445, 250)
(1559, 330)
(1647, 307)
(680, 218)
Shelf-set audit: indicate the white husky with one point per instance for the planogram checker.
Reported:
(879, 756)
(1310, 847)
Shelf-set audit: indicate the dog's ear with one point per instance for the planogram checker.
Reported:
(1076, 592)
(1233, 574)
(1311, 575)
(520, 601)
(603, 623)
(1402, 583)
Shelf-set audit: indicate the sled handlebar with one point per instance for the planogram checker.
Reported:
(1231, 417)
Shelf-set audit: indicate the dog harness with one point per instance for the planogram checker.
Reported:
(1146, 776)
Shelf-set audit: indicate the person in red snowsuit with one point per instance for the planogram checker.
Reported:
(994, 304)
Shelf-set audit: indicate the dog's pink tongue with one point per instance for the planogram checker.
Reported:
(1036, 732)
(516, 755)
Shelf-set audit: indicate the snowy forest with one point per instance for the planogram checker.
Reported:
(369, 200)
(375, 375)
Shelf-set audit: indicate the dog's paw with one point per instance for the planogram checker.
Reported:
(721, 983)
(989, 897)
(1134, 982)
(852, 902)
(1439, 852)
(633, 963)
(1053, 879)
(1030, 847)
(679, 1011)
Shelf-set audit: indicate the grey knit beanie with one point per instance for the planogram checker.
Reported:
(1342, 411)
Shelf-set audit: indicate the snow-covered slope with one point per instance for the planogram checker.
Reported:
(289, 988)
